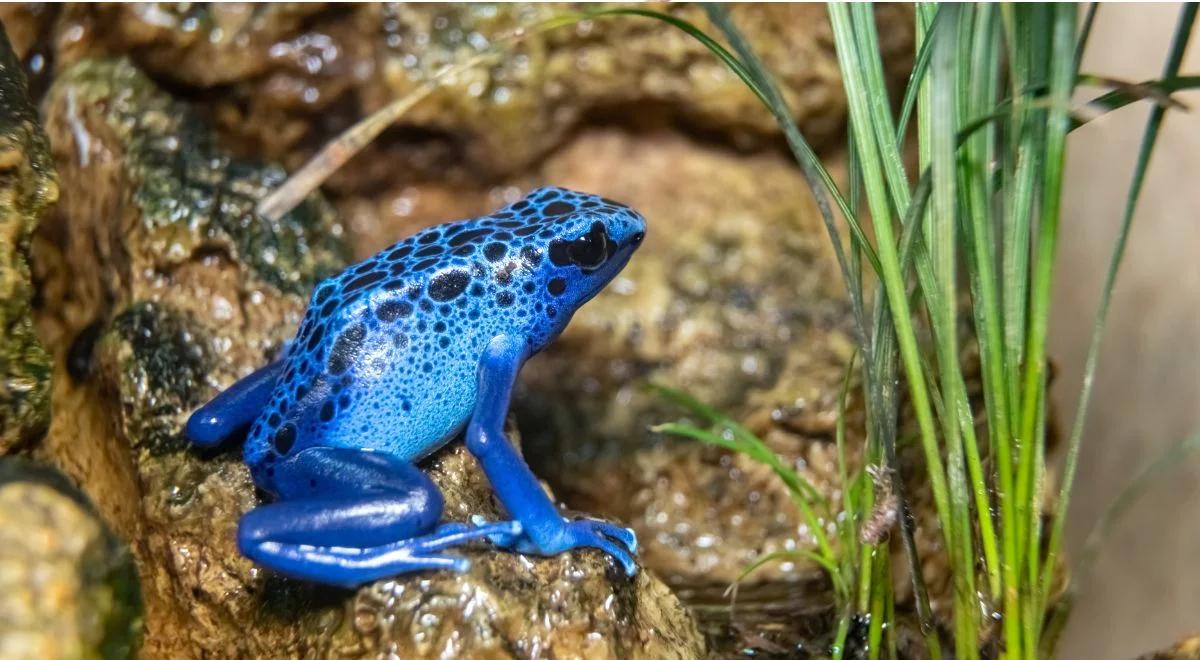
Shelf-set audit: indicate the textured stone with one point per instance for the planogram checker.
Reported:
(292, 76)
(68, 588)
(27, 190)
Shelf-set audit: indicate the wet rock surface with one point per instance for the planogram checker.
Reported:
(156, 261)
(576, 604)
(68, 588)
(27, 190)
(292, 76)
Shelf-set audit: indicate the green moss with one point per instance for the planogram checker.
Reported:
(193, 195)
(161, 360)
(27, 189)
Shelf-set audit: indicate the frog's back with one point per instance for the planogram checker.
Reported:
(387, 353)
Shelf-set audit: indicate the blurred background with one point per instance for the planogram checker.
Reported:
(1145, 586)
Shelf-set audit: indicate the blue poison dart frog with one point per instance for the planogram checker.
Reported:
(395, 356)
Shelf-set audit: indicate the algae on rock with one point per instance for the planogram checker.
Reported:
(27, 190)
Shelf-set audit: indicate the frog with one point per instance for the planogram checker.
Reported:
(397, 356)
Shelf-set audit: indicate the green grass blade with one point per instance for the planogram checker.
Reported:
(1062, 78)
(939, 286)
(792, 555)
(727, 58)
(751, 447)
(1085, 32)
(1123, 96)
(920, 66)
(892, 278)
(975, 156)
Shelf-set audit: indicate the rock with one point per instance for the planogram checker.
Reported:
(68, 588)
(158, 245)
(572, 605)
(292, 77)
(27, 190)
(1186, 649)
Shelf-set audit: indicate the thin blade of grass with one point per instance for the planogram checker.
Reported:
(800, 490)
(1159, 91)
(893, 280)
(939, 286)
(1061, 84)
(920, 66)
(789, 555)
(1085, 32)
(978, 244)
(851, 514)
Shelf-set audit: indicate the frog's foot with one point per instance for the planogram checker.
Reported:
(618, 542)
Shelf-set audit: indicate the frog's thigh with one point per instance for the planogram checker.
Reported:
(343, 497)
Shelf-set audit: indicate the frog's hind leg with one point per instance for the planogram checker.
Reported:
(347, 517)
(234, 409)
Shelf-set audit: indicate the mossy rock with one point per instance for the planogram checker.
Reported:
(27, 190)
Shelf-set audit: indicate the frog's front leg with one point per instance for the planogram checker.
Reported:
(347, 517)
(544, 530)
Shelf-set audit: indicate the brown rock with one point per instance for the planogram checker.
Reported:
(68, 588)
(294, 76)
(1187, 649)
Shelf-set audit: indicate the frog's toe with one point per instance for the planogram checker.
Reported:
(503, 534)
(588, 533)
(622, 535)
(615, 541)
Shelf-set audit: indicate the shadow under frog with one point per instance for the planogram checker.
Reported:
(394, 357)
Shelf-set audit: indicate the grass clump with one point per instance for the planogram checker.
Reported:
(978, 220)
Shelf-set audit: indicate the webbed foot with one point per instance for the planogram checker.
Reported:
(618, 542)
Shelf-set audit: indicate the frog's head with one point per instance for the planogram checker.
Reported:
(584, 241)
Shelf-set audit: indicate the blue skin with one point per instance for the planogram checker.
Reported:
(394, 357)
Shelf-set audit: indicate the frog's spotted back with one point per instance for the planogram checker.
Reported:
(386, 355)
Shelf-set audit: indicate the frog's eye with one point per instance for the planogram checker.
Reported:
(588, 252)
(591, 249)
